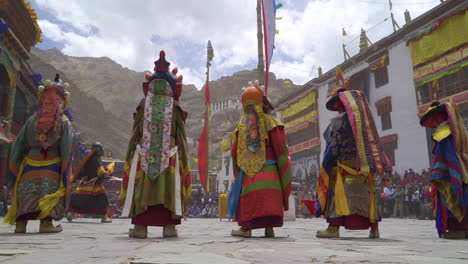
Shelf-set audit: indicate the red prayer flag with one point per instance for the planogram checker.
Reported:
(310, 204)
(203, 144)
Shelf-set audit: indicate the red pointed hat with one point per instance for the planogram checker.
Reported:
(161, 64)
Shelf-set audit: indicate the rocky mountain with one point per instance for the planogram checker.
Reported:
(104, 95)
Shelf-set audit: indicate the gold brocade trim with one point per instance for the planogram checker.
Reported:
(91, 188)
(364, 166)
(442, 133)
(355, 179)
(251, 162)
(46, 203)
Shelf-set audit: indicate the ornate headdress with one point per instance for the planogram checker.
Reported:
(436, 110)
(340, 86)
(161, 71)
(52, 100)
(252, 93)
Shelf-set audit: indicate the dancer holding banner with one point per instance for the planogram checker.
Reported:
(156, 183)
(261, 160)
(90, 196)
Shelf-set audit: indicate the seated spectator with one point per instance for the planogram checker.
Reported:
(206, 211)
(195, 212)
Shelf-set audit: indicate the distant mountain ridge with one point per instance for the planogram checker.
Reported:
(104, 95)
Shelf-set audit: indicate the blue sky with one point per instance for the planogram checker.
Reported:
(133, 32)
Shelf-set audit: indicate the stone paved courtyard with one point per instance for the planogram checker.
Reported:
(208, 241)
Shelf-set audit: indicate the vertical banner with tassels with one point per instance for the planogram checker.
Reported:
(203, 145)
(269, 30)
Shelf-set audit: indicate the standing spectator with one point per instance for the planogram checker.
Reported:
(396, 178)
(415, 202)
(412, 176)
(426, 203)
(389, 200)
(405, 178)
(407, 202)
(399, 198)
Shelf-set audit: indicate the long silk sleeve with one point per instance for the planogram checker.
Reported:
(280, 148)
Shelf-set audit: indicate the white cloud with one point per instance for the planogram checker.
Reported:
(312, 37)
(310, 32)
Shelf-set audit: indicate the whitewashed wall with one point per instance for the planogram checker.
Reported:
(223, 174)
(412, 144)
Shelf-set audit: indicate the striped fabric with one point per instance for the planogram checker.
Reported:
(370, 156)
(266, 193)
(451, 191)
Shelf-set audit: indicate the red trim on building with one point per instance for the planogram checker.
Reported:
(456, 98)
(305, 145)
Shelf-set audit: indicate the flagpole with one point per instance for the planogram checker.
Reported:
(261, 65)
(208, 108)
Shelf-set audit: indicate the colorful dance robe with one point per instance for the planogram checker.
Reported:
(263, 197)
(450, 192)
(40, 176)
(154, 201)
(344, 196)
(90, 196)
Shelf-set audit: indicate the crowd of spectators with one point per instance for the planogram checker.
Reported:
(406, 197)
(203, 205)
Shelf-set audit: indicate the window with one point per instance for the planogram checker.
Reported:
(386, 121)
(389, 144)
(360, 82)
(381, 76)
(384, 109)
(389, 150)
(379, 65)
(446, 86)
(424, 93)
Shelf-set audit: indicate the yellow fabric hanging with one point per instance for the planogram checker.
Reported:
(46, 203)
(301, 119)
(295, 108)
(341, 202)
(450, 34)
(381, 63)
(341, 195)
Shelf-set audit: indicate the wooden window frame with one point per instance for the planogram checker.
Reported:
(384, 109)
(444, 85)
(390, 143)
(382, 71)
(381, 77)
